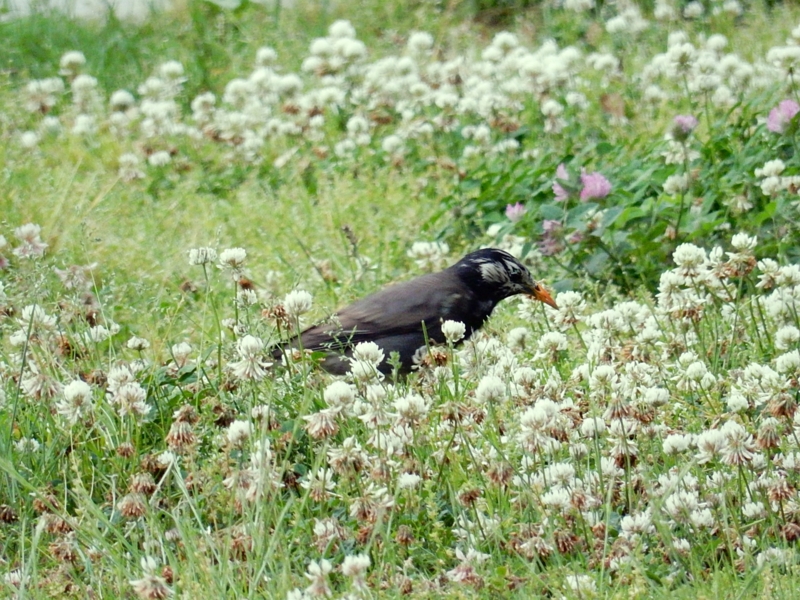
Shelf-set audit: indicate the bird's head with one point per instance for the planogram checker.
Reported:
(495, 275)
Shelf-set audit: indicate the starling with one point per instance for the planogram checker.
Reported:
(408, 316)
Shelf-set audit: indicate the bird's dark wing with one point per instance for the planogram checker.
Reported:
(396, 311)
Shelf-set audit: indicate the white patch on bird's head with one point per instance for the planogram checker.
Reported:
(513, 268)
(493, 272)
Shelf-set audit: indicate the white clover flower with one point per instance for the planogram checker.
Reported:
(419, 42)
(637, 524)
(676, 443)
(357, 124)
(743, 242)
(15, 578)
(578, 5)
(77, 401)
(171, 70)
(737, 444)
(84, 125)
(239, 432)
(736, 401)
(681, 504)
(202, 256)
(251, 364)
(716, 42)
(676, 184)
(350, 49)
(689, 256)
(490, 389)
(344, 148)
(97, 334)
(32, 246)
(693, 10)
(617, 24)
(29, 139)
(246, 297)
(121, 100)
(317, 574)
(130, 400)
(71, 62)
(771, 186)
(355, 565)
(407, 481)
(232, 258)
(181, 352)
(508, 146)
(733, 7)
(453, 331)
(557, 497)
(562, 474)
(593, 427)
(771, 168)
(339, 394)
(25, 445)
(786, 58)
(34, 315)
(518, 337)
(602, 377)
(788, 362)
(584, 586)
(297, 302)
(505, 40)
(551, 108)
(786, 336)
(161, 158)
(552, 341)
(702, 518)
(754, 510)
(788, 276)
(42, 95)
(118, 376)
(392, 144)
(51, 125)
(526, 376)
(578, 100)
(364, 370)
(696, 371)
(83, 85)
(342, 28)
(368, 352)
(129, 167)
(266, 56)
(249, 345)
(137, 343)
(166, 459)
(411, 408)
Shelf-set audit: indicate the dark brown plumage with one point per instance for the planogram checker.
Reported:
(401, 317)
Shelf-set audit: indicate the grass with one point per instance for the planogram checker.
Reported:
(639, 442)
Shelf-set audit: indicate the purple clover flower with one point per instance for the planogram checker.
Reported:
(595, 186)
(682, 126)
(782, 115)
(558, 189)
(551, 243)
(514, 212)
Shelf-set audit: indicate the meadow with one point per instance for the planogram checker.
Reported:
(181, 194)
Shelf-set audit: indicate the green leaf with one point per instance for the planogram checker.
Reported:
(624, 216)
(603, 148)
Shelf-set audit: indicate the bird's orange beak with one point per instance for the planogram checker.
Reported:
(542, 295)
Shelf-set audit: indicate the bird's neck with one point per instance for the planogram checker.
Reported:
(482, 310)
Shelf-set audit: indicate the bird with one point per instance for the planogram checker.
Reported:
(408, 316)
